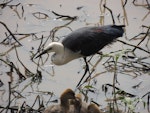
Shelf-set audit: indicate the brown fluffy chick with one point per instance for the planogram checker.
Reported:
(93, 108)
(64, 105)
(78, 105)
(83, 105)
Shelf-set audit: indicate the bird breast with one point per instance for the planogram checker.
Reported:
(57, 59)
(64, 57)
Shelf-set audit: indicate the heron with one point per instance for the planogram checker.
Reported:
(82, 42)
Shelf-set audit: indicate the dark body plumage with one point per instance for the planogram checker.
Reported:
(89, 40)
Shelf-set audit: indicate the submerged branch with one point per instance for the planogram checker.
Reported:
(142, 39)
(120, 91)
(12, 66)
(64, 16)
(11, 33)
(134, 46)
(110, 13)
(124, 11)
(2, 5)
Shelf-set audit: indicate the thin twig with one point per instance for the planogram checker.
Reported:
(110, 13)
(9, 97)
(26, 69)
(125, 3)
(5, 4)
(134, 46)
(124, 12)
(64, 16)
(142, 39)
(122, 92)
(11, 33)
(102, 11)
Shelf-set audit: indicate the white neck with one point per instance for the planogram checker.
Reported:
(62, 55)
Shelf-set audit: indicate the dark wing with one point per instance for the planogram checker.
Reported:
(89, 40)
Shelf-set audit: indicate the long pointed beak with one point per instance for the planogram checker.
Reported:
(42, 53)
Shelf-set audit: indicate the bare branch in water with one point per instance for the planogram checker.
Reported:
(11, 33)
(134, 46)
(3, 5)
(110, 13)
(120, 91)
(64, 16)
(124, 12)
(142, 39)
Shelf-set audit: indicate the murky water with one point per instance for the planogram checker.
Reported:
(24, 18)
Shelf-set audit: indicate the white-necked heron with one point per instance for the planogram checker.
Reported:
(82, 42)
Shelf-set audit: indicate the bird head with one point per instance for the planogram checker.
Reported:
(66, 95)
(77, 101)
(52, 47)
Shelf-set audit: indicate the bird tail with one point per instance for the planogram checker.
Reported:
(118, 26)
(119, 30)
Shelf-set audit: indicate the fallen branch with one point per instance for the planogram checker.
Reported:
(134, 46)
(11, 33)
(120, 91)
(110, 13)
(142, 39)
(64, 16)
